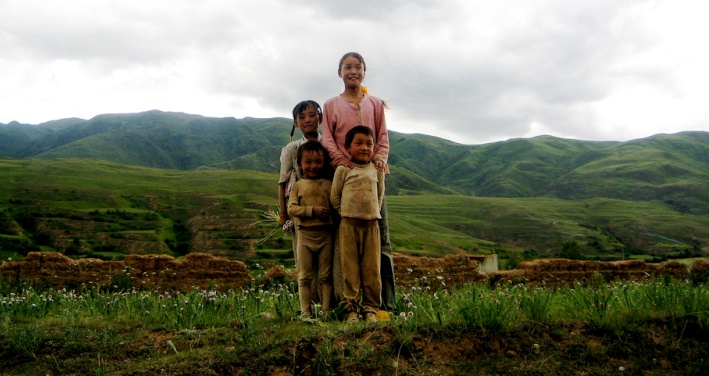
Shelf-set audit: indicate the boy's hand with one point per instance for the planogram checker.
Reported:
(321, 212)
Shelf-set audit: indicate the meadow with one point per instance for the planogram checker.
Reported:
(656, 326)
(99, 209)
(107, 210)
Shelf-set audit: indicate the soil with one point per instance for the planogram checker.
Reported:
(204, 270)
(666, 346)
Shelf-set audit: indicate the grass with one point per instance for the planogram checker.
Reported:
(539, 223)
(219, 210)
(658, 326)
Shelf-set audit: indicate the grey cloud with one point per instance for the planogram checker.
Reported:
(478, 70)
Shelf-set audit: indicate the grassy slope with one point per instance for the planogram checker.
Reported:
(664, 168)
(673, 169)
(176, 142)
(432, 224)
(515, 168)
(67, 192)
(540, 224)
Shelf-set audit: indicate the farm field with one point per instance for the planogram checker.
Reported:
(90, 208)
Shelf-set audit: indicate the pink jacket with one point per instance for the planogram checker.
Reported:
(339, 116)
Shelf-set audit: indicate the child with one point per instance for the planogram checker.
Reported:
(309, 204)
(351, 108)
(357, 194)
(307, 117)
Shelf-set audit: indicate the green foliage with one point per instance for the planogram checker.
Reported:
(327, 360)
(181, 243)
(595, 308)
(617, 199)
(26, 219)
(513, 260)
(571, 250)
(166, 211)
(20, 246)
(491, 327)
(7, 224)
(121, 282)
(25, 340)
(536, 304)
(670, 169)
(487, 310)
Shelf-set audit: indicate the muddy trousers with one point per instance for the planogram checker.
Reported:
(387, 262)
(360, 263)
(314, 264)
(314, 288)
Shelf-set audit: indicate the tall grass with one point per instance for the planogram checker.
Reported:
(475, 306)
(479, 306)
(257, 320)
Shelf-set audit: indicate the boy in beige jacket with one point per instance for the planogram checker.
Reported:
(357, 194)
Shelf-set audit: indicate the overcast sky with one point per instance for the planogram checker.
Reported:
(470, 71)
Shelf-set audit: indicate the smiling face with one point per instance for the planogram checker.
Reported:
(352, 71)
(308, 121)
(362, 148)
(312, 163)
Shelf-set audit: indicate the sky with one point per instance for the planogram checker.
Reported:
(469, 71)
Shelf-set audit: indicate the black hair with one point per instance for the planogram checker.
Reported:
(360, 129)
(302, 106)
(355, 55)
(359, 57)
(313, 146)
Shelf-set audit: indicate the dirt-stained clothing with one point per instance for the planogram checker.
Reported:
(339, 116)
(357, 195)
(315, 244)
(358, 192)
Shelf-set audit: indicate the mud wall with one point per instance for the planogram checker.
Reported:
(203, 270)
(557, 272)
(150, 271)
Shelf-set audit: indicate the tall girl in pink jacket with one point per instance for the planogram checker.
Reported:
(340, 114)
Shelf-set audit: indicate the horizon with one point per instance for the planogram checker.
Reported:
(397, 131)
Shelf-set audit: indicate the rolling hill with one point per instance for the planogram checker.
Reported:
(672, 169)
(174, 182)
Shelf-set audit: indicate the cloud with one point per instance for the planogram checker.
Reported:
(470, 71)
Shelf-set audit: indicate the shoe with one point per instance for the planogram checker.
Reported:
(352, 318)
(370, 317)
(382, 316)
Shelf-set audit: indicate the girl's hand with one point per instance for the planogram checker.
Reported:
(380, 165)
(321, 212)
(282, 220)
(342, 162)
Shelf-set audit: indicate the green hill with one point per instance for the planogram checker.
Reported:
(93, 208)
(670, 169)
(202, 181)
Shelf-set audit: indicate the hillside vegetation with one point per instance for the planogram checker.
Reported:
(672, 169)
(625, 327)
(157, 182)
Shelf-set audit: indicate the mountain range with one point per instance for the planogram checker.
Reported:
(157, 182)
(668, 168)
